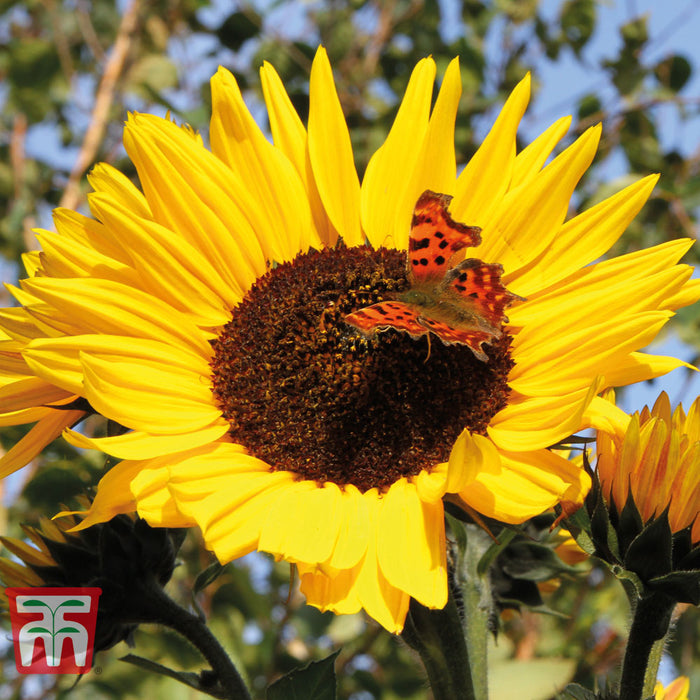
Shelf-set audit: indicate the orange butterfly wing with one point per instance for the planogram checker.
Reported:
(463, 305)
(435, 237)
(385, 315)
(477, 285)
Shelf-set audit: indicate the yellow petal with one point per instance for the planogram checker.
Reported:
(58, 359)
(436, 168)
(353, 533)
(115, 493)
(527, 219)
(534, 423)
(525, 484)
(28, 393)
(107, 179)
(384, 602)
(44, 432)
(63, 257)
(228, 493)
(570, 363)
(304, 525)
(148, 396)
(411, 544)
(432, 485)
(640, 367)
(584, 238)
(290, 137)
(468, 455)
(106, 307)
(605, 415)
(531, 159)
(91, 234)
(331, 155)
(169, 267)
(387, 202)
(266, 170)
(138, 445)
(486, 177)
(194, 194)
(337, 593)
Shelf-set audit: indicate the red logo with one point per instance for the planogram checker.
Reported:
(53, 629)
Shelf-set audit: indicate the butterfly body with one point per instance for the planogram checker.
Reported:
(464, 304)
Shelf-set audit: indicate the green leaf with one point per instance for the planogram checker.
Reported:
(504, 539)
(577, 19)
(313, 682)
(673, 72)
(588, 106)
(150, 75)
(208, 576)
(238, 27)
(193, 680)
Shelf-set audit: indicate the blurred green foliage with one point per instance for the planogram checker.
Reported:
(52, 58)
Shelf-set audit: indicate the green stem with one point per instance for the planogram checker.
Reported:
(157, 607)
(650, 623)
(476, 594)
(438, 637)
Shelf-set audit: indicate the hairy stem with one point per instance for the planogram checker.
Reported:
(652, 617)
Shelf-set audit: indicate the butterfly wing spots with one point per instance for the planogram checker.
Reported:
(474, 338)
(385, 315)
(478, 285)
(435, 237)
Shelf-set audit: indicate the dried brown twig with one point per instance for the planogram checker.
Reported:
(103, 101)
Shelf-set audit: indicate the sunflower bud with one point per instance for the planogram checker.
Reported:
(642, 513)
(122, 557)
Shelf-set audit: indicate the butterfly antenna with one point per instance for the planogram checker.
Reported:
(427, 357)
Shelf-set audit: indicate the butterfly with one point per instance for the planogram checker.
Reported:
(461, 305)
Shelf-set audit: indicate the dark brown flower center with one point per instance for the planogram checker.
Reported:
(307, 393)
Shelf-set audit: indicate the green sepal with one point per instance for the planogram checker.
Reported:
(686, 555)
(603, 533)
(690, 561)
(630, 524)
(316, 681)
(682, 586)
(649, 554)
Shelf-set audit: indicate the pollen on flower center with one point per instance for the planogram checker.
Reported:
(305, 392)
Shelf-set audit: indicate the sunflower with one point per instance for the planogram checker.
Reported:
(206, 314)
(653, 457)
